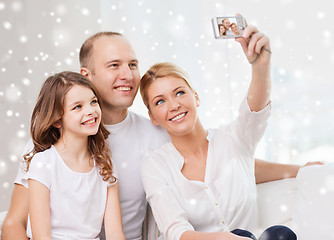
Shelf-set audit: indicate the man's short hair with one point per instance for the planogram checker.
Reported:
(86, 49)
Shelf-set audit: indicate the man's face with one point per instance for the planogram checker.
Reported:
(226, 24)
(114, 71)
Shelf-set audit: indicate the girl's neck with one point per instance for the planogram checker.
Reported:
(75, 154)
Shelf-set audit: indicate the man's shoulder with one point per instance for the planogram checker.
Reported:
(143, 122)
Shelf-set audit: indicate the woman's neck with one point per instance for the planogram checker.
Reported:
(194, 143)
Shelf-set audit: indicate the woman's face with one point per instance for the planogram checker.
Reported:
(173, 105)
(222, 29)
(235, 29)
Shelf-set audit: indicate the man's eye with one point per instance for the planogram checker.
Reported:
(180, 93)
(133, 65)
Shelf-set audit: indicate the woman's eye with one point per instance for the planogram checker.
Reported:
(180, 93)
(159, 102)
(94, 101)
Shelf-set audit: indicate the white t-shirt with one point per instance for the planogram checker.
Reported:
(226, 200)
(77, 200)
(129, 140)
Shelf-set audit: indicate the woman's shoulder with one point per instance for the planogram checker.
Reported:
(162, 156)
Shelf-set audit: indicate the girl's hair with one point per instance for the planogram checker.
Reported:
(160, 70)
(49, 110)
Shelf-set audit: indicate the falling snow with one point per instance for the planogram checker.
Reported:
(42, 38)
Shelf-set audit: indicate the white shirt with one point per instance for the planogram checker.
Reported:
(226, 200)
(77, 200)
(128, 141)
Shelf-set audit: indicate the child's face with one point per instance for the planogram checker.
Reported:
(82, 113)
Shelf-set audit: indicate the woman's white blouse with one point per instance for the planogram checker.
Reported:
(226, 200)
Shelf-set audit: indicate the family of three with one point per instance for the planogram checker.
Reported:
(93, 162)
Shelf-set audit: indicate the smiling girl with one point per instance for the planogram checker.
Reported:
(69, 171)
(201, 185)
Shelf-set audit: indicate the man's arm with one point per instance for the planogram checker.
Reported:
(15, 224)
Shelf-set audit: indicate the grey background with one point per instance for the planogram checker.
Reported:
(40, 37)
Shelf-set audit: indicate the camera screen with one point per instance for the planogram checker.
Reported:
(228, 26)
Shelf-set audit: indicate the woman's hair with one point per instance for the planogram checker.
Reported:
(49, 110)
(160, 70)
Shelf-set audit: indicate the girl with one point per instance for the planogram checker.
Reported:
(202, 184)
(69, 171)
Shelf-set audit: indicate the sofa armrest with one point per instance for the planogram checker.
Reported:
(276, 201)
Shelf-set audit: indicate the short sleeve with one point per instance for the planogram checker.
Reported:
(40, 169)
(168, 213)
(22, 167)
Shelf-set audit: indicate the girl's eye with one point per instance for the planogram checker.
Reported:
(94, 101)
(180, 93)
(159, 102)
(77, 107)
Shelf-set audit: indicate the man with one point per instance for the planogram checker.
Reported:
(109, 61)
(227, 24)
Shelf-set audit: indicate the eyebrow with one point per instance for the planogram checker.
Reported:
(176, 89)
(78, 102)
(119, 60)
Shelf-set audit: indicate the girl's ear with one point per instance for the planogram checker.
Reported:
(152, 118)
(197, 99)
(57, 124)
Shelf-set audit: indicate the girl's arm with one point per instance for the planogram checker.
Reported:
(112, 215)
(39, 209)
(256, 47)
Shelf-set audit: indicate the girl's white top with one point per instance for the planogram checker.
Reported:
(226, 200)
(77, 200)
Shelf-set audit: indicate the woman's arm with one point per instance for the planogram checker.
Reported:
(112, 215)
(15, 224)
(256, 47)
(270, 171)
(39, 209)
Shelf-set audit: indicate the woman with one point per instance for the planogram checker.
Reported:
(202, 184)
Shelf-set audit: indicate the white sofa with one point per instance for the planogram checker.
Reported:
(305, 203)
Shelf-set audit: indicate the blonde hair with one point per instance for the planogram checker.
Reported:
(49, 110)
(160, 70)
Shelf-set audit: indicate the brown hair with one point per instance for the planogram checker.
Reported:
(86, 50)
(49, 110)
(160, 70)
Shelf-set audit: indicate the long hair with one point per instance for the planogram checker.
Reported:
(49, 110)
(160, 70)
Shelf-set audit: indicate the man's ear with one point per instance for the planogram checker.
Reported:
(152, 118)
(197, 99)
(57, 124)
(86, 72)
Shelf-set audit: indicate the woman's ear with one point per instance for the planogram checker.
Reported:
(197, 99)
(152, 118)
(57, 124)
